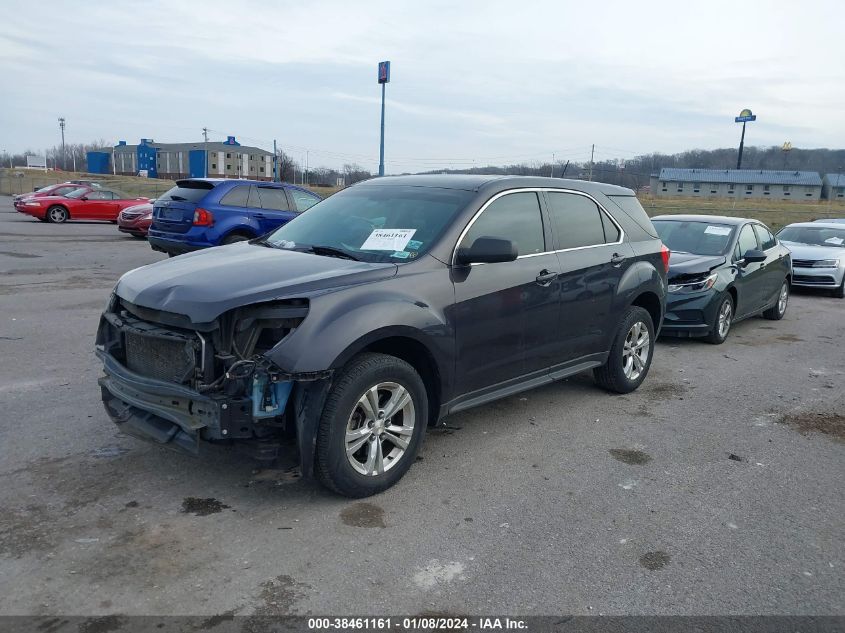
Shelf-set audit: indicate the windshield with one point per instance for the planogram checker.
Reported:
(374, 223)
(813, 235)
(47, 188)
(77, 193)
(698, 238)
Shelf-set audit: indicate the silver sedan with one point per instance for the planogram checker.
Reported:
(818, 254)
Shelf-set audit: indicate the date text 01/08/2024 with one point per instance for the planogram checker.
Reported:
(416, 623)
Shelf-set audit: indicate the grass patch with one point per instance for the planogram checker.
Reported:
(774, 213)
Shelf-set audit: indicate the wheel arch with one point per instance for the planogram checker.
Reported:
(651, 303)
(405, 344)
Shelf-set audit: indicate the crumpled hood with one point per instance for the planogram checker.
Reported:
(682, 264)
(205, 284)
(808, 251)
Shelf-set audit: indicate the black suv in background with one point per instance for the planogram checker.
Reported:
(378, 312)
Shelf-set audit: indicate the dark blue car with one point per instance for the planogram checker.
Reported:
(202, 212)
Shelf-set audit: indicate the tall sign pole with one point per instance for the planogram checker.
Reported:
(744, 117)
(64, 160)
(383, 79)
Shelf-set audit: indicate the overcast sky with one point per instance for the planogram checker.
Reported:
(473, 83)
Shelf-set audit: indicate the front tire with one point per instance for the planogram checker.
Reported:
(776, 312)
(839, 293)
(57, 214)
(722, 322)
(372, 425)
(630, 356)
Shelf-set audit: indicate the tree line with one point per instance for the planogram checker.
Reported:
(632, 172)
(635, 172)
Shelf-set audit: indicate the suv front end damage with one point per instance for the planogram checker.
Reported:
(177, 383)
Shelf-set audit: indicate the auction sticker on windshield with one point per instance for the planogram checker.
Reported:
(388, 240)
(717, 230)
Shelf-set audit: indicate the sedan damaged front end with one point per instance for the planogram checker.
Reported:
(178, 383)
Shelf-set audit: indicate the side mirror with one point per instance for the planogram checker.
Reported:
(84, 198)
(753, 255)
(487, 250)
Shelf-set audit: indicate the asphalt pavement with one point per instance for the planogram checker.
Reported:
(714, 489)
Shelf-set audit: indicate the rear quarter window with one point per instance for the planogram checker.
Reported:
(634, 210)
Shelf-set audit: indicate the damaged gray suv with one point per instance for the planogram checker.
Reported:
(380, 311)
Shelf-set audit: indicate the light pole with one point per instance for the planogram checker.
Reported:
(62, 126)
(383, 79)
(744, 117)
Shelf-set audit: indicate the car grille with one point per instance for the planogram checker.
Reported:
(160, 357)
(803, 263)
(820, 280)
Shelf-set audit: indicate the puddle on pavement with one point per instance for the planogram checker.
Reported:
(363, 515)
(630, 456)
(655, 560)
(832, 424)
(202, 507)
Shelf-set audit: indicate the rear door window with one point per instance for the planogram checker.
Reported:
(273, 198)
(254, 201)
(237, 197)
(303, 200)
(514, 217)
(576, 220)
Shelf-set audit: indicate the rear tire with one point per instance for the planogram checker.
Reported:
(776, 312)
(630, 355)
(360, 416)
(235, 237)
(721, 326)
(57, 214)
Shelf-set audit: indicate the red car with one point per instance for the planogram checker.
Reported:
(81, 204)
(60, 189)
(136, 220)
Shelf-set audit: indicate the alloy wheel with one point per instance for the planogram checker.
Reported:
(783, 299)
(636, 350)
(725, 318)
(379, 428)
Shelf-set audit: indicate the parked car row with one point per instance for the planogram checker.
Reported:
(82, 202)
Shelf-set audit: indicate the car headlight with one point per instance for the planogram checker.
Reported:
(826, 263)
(695, 286)
(32, 204)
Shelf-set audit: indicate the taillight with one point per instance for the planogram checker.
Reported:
(203, 217)
(664, 254)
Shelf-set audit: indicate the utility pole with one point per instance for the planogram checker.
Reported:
(552, 170)
(383, 79)
(275, 163)
(205, 144)
(62, 126)
(305, 173)
(592, 156)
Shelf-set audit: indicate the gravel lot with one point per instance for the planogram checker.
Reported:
(708, 491)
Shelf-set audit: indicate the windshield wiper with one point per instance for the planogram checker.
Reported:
(331, 251)
(178, 198)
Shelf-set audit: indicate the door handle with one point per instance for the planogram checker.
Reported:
(617, 259)
(259, 216)
(546, 277)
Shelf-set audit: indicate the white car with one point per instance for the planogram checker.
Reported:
(818, 254)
